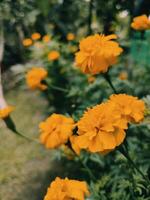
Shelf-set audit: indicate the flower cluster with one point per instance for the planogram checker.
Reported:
(56, 130)
(65, 189)
(141, 23)
(97, 53)
(34, 78)
(102, 128)
(34, 39)
(5, 112)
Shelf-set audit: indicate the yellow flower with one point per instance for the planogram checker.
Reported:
(35, 36)
(141, 23)
(123, 75)
(101, 129)
(53, 55)
(65, 189)
(91, 79)
(130, 107)
(70, 36)
(97, 53)
(5, 112)
(46, 38)
(56, 130)
(27, 42)
(34, 78)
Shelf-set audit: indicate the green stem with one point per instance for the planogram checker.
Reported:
(87, 169)
(126, 155)
(58, 88)
(107, 78)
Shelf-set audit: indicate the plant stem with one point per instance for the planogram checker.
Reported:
(58, 88)
(126, 155)
(107, 78)
(87, 169)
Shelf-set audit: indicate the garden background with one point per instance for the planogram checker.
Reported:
(26, 167)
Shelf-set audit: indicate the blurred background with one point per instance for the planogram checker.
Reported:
(25, 168)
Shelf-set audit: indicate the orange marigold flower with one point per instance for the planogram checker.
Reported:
(123, 75)
(65, 189)
(5, 112)
(34, 78)
(101, 129)
(56, 130)
(141, 23)
(27, 42)
(91, 79)
(97, 53)
(70, 36)
(53, 55)
(46, 38)
(35, 36)
(130, 107)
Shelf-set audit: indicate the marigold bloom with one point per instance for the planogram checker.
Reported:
(70, 36)
(101, 129)
(141, 23)
(123, 75)
(46, 38)
(97, 53)
(5, 112)
(35, 36)
(27, 42)
(34, 78)
(65, 189)
(130, 107)
(56, 130)
(53, 55)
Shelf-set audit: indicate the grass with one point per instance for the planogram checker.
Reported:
(26, 168)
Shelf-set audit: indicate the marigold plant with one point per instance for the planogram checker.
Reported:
(34, 78)
(141, 23)
(97, 53)
(56, 130)
(5, 112)
(65, 189)
(53, 55)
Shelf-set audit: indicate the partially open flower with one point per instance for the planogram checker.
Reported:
(56, 130)
(27, 42)
(130, 107)
(46, 38)
(65, 189)
(70, 36)
(141, 23)
(97, 53)
(5, 112)
(53, 55)
(34, 78)
(35, 36)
